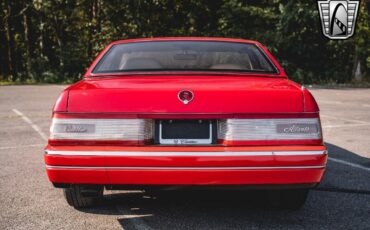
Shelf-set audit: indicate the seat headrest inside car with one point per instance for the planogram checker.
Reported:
(141, 63)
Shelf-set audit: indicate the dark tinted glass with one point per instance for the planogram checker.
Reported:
(184, 56)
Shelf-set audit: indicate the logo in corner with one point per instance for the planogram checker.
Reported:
(338, 18)
(185, 96)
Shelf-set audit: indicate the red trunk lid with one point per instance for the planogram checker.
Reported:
(212, 95)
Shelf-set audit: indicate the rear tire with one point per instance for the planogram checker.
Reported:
(292, 199)
(82, 196)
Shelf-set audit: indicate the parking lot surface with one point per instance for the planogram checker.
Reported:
(29, 201)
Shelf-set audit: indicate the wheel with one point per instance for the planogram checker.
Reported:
(82, 196)
(292, 199)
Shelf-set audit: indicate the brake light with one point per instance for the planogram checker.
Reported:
(105, 131)
(269, 131)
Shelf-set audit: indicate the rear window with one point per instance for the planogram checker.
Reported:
(184, 56)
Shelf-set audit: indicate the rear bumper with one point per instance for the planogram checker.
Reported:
(186, 165)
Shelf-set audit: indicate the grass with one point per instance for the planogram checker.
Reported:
(29, 82)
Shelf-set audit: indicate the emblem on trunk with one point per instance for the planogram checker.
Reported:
(185, 96)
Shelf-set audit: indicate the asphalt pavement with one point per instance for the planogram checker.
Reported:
(29, 201)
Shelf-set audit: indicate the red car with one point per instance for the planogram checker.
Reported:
(210, 112)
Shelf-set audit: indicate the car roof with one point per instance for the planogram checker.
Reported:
(219, 39)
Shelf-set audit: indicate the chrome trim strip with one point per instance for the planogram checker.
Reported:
(132, 113)
(183, 154)
(181, 168)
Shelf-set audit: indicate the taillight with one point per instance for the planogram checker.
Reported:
(269, 131)
(104, 131)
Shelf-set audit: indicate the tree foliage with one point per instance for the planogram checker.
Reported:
(55, 40)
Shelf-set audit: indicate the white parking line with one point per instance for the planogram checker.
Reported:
(23, 146)
(331, 102)
(344, 119)
(35, 127)
(349, 164)
(341, 102)
(346, 125)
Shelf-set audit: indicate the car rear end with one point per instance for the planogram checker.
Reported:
(244, 151)
(198, 130)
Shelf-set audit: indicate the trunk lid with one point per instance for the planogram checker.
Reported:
(212, 95)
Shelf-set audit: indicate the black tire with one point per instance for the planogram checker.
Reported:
(291, 199)
(82, 196)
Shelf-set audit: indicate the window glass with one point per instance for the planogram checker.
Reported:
(184, 56)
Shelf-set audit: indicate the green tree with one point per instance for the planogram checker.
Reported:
(56, 40)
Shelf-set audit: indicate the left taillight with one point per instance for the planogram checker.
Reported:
(100, 131)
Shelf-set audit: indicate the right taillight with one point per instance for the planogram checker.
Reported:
(269, 131)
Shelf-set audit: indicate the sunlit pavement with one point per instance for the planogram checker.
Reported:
(28, 200)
